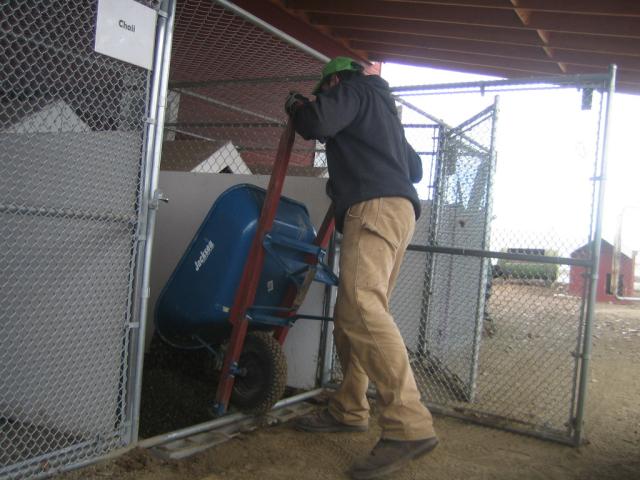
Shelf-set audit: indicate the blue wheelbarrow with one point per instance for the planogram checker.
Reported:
(207, 302)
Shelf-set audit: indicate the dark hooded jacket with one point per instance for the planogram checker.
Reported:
(367, 153)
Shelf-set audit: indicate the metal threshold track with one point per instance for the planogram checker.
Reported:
(191, 440)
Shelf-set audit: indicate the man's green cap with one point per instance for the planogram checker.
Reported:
(338, 64)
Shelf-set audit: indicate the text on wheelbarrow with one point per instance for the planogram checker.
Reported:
(204, 254)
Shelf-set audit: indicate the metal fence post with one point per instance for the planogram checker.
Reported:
(593, 285)
(150, 197)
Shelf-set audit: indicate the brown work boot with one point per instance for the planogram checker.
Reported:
(323, 422)
(389, 456)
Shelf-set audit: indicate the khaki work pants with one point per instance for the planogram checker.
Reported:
(375, 237)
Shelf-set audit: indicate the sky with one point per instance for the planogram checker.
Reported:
(545, 159)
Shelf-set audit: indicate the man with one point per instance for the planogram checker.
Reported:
(372, 169)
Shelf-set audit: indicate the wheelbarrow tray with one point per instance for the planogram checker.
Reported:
(194, 305)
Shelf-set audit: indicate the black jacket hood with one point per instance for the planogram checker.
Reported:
(381, 86)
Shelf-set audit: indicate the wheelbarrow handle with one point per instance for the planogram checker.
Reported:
(246, 290)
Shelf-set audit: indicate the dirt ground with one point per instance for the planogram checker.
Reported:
(467, 451)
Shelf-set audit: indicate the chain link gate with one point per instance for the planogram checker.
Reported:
(229, 78)
(73, 154)
(438, 302)
(456, 286)
(497, 330)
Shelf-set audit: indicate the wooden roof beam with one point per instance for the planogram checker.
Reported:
(420, 27)
(585, 24)
(477, 68)
(623, 8)
(602, 45)
(429, 30)
(525, 17)
(528, 52)
(623, 27)
(406, 11)
(518, 64)
(439, 43)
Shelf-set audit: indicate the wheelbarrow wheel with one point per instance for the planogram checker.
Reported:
(263, 374)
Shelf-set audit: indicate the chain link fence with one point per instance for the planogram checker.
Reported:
(491, 315)
(71, 143)
(494, 335)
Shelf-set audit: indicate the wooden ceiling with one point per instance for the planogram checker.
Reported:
(505, 38)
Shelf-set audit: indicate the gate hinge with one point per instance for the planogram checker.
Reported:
(133, 325)
(163, 13)
(158, 197)
(150, 120)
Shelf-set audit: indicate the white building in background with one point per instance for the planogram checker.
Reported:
(203, 156)
(225, 159)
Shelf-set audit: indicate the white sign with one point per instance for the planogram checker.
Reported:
(126, 30)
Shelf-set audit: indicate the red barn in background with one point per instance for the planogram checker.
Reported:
(604, 292)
